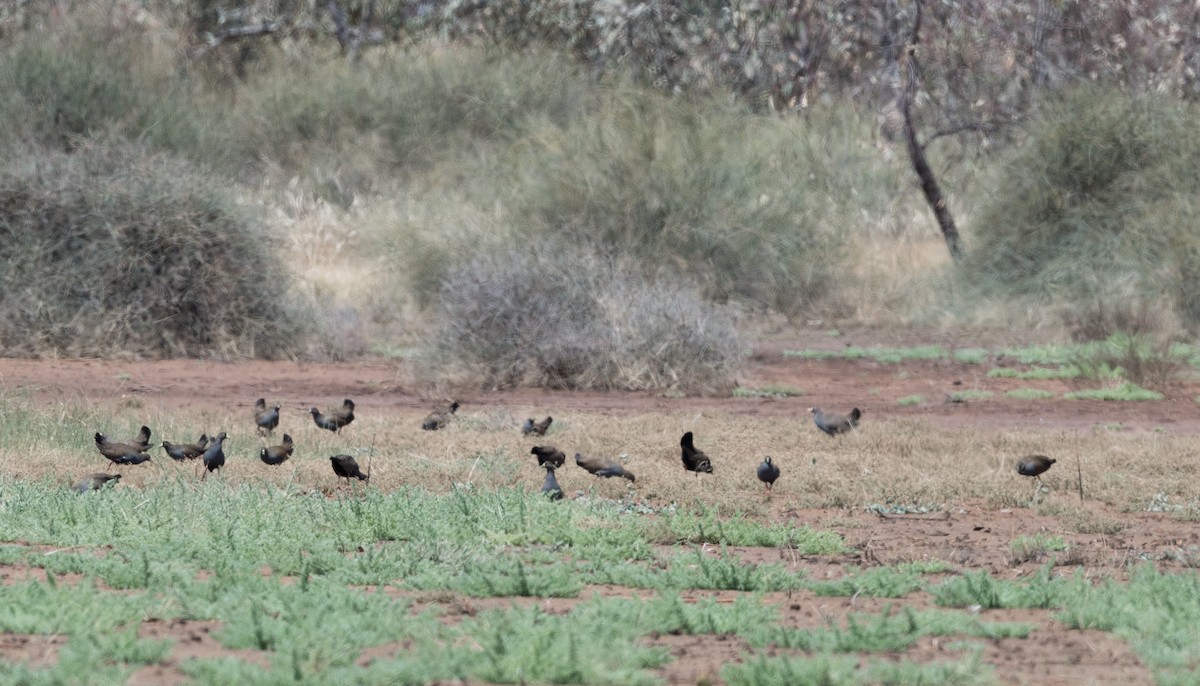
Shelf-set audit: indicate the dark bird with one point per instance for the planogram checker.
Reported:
(214, 454)
(439, 417)
(603, 466)
(120, 453)
(277, 454)
(142, 440)
(694, 460)
(186, 451)
(1034, 465)
(768, 472)
(267, 418)
(346, 467)
(550, 487)
(834, 424)
(536, 428)
(336, 419)
(548, 454)
(94, 482)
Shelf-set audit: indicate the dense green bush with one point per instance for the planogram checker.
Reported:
(115, 251)
(1097, 206)
(561, 317)
(754, 210)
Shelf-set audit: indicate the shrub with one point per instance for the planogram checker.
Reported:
(565, 318)
(112, 250)
(1097, 205)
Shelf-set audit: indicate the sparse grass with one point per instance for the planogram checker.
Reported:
(879, 354)
(967, 395)
(1035, 548)
(1029, 394)
(768, 391)
(910, 400)
(1127, 391)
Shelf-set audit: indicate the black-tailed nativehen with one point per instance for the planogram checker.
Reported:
(186, 451)
(834, 424)
(603, 466)
(346, 467)
(548, 454)
(440, 417)
(277, 454)
(550, 486)
(536, 428)
(694, 460)
(768, 472)
(266, 418)
(96, 481)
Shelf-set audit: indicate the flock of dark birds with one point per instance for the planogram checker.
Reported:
(211, 452)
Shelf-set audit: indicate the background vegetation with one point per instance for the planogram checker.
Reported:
(370, 167)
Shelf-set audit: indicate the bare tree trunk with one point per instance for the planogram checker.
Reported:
(916, 151)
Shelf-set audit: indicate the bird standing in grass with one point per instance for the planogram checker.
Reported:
(536, 428)
(120, 453)
(1034, 465)
(768, 472)
(186, 451)
(694, 460)
(439, 418)
(277, 454)
(834, 424)
(346, 467)
(266, 418)
(548, 454)
(334, 420)
(603, 466)
(550, 486)
(214, 454)
(96, 481)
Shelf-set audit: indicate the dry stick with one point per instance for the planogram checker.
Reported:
(370, 454)
(1078, 466)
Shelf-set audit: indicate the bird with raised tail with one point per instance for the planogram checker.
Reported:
(266, 418)
(186, 451)
(214, 454)
(277, 454)
(548, 454)
(834, 424)
(694, 460)
(536, 428)
(439, 418)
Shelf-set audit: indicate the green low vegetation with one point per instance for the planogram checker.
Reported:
(1029, 394)
(1125, 392)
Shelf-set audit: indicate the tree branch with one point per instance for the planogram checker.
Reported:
(916, 151)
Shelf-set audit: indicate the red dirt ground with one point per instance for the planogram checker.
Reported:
(967, 534)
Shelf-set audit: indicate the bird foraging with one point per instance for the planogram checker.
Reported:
(186, 451)
(694, 460)
(439, 418)
(536, 428)
(266, 418)
(277, 454)
(603, 467)
(834, 424)
(1034, 465)
(346, 467)
(120, 453)
(768, 472)
(96, 481)
(550, 486)
(548, 454)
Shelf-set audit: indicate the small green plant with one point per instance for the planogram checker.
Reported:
(967, 395)
(910, 400)
(768, 391)
(1034, 548)
(1029, 394)
(1127, 391)
(971, 355)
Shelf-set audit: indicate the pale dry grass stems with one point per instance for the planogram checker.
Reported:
(895, 463)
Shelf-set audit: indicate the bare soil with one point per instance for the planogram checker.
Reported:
(969, 535)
